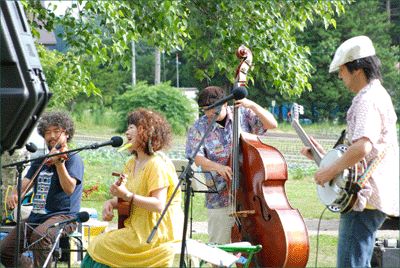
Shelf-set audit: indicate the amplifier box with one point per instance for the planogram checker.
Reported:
(386, 253)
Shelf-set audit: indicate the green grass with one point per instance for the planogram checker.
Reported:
(96, 121)
(320, 129)
(326, 250)
(300, 188)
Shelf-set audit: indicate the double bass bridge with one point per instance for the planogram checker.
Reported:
(243, 213)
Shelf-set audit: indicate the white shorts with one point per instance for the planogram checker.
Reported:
(220, 225)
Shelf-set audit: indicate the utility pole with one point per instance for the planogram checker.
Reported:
(177, 69)
(388, 9)
(157, 72)
(133, 63)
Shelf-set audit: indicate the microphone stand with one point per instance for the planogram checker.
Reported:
(88, 147)
(186, 175)
(20, 167)
(56, 244)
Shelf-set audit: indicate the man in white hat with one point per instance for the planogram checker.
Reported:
(371, 134)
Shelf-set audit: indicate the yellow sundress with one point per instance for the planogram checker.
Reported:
(127, 247)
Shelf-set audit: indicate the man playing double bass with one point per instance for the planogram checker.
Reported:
(58, 190)
(214, 155)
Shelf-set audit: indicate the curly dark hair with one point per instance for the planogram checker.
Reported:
(209, 95)
(156, 133)
(59, 119)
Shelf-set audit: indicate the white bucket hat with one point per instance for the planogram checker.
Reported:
(352, 49)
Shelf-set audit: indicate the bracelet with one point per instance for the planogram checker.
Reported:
(130, 197)
(133, 198)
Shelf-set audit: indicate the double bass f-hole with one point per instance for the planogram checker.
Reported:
(264, 211)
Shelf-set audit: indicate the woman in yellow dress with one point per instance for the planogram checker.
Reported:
(151, 179)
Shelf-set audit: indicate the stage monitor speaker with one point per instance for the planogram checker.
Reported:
(24, 93)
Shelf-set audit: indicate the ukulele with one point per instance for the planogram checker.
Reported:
(124, 207)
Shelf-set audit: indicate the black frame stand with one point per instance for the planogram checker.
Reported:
(186, 176)
(56, 245)
(20, 168)
(191, 199)
(20, 165)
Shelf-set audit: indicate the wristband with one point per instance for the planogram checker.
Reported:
(130, 197)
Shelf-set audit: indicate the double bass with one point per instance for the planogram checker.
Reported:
(262, 212)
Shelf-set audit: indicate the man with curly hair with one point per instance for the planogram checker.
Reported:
(57, 194)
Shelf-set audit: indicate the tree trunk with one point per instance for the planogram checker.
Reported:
(388, 8)
(133, 63)
(157, 71)
(177, 69)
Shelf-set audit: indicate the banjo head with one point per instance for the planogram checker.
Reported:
(332, 190)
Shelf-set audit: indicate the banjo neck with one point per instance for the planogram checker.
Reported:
(307, 142)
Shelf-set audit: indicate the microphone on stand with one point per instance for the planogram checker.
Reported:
(79, 217)
(31, 147)
(237, 94)
(115, 141)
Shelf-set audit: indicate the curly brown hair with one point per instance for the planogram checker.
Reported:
(156, 133)
(209, 95)
(59, 119)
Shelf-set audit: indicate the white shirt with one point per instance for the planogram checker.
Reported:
(372, 116)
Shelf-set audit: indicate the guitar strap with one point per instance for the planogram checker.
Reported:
(341, 139)
(363, 179)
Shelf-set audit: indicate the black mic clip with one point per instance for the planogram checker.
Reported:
(237, 94)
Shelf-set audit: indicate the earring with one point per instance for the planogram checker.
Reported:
(149, 146)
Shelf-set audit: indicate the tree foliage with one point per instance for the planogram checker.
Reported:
(329, 98)
(100, 32)
(170, 101)
(65, 77)
(268, 28)
(208, 31)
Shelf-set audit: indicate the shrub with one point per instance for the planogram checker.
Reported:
(169, 101)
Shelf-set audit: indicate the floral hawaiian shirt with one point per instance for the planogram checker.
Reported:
(217, 148)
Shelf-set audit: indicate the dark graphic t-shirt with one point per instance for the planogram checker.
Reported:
(50, 199)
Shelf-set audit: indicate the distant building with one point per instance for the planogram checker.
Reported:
(47, 39)
(190, 92)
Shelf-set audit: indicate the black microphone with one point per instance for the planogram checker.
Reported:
(82, 216)
(115, 141)
(31, 147)
(237, 94)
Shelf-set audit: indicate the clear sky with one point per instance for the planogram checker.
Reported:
(61, 5)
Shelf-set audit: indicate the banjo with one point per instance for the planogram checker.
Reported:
(339, 194)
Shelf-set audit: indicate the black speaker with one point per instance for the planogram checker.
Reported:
(24, 93)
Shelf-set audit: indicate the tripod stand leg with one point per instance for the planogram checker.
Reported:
(55, 245)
